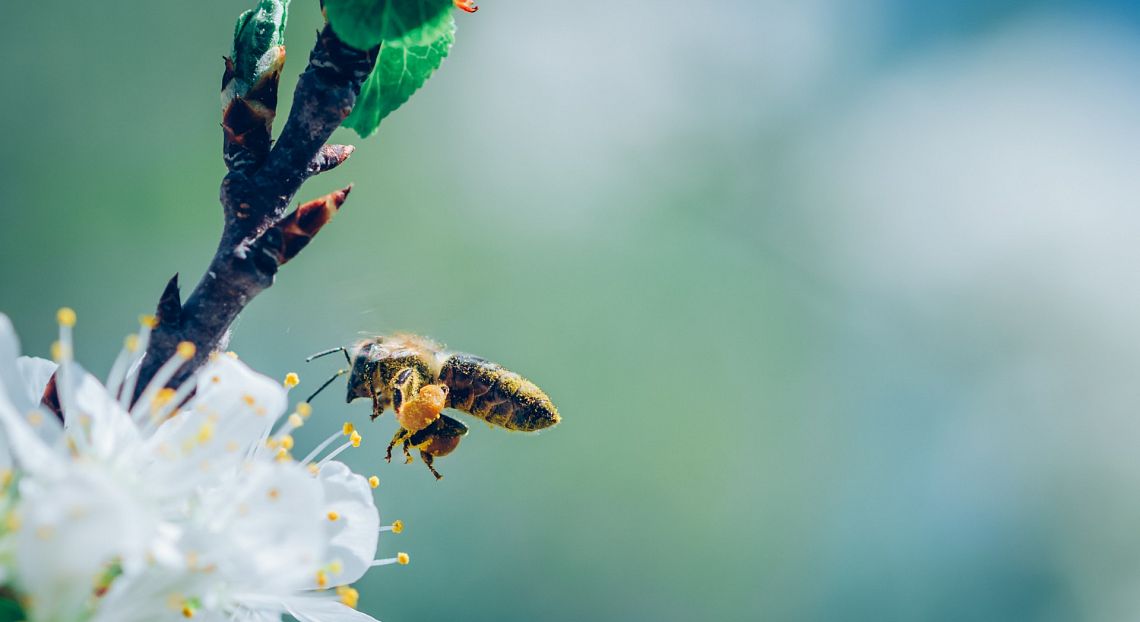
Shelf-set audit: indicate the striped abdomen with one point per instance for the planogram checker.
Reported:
(497, 395)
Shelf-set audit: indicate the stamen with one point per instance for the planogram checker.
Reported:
(353, 441)
(147, 323)
(63, 354)
(304, 409)
(396, 527)
(325, 443)
(295, 421)
(322, 579)
(182, 354)
(348, 595)
(400, 558)
(374, 481)
(336, 567)
(291, 380)
(333, 515)
(66, 317)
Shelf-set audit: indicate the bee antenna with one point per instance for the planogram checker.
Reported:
(328, 352)
(338, 374)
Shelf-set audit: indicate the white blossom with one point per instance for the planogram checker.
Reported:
(186, 504)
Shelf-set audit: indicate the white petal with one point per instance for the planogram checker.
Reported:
(12, 384)
(317, 609)
(353, 536)
(71, 529)
(36, 373)
(112, 432)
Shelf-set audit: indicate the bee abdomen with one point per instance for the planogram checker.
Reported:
(497, 395)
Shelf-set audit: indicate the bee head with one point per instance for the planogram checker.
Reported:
(364, 357)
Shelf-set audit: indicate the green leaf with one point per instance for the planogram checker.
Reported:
(400, 70)
(364, 24)
(257, 36)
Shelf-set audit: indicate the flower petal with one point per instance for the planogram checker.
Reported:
(353, 535)
(317, 609)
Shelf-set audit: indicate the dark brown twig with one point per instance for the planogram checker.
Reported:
(258, 237)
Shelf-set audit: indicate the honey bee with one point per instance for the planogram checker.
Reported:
(418, 378)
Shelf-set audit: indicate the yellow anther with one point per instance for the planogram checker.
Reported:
(336, 567)
(398, 526)
(283, 455)
(296, 421)
(374, 481)
(287, 441)
(355, 439)
(271, 442)
(314, 468)
(186, 350)
(163, 397)
(333, 515)
(322, 578)
(131, 343)
(248, 399)
(187, 611)
(148, 321)
(215, 379)
(232, 354)
(304, 409)
(348, 595)
(292, 380)
(57, 351)
(347, 428)
(402, 559)
(206, 432)
(65, 316)
(35, 418)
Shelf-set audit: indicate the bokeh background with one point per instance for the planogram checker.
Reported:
(840, 301)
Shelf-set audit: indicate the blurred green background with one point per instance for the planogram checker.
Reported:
(839, 301)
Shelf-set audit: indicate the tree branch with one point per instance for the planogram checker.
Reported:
(257, 236)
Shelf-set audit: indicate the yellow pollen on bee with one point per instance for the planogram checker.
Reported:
(131, 343)
(347, 428)
(322, 578)
(348, 596)
(148, 321)
(398, 526)
(355, 439)
(186, 350)
(292, 380)
(287, 441)
(296, 421)
(374, 481)
(402, 559)
(333, 515)
(248, 399)
(274, 494)
(304, 409)
(65, 316)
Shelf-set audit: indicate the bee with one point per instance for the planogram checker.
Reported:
(418, 379)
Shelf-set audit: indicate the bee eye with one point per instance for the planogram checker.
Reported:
(444, 388)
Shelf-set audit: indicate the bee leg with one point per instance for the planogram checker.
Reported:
(408, 459)
(401, 435)
(428, 459)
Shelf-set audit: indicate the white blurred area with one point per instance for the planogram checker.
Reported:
(976, 206)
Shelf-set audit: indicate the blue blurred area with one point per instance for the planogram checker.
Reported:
(838, 300)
